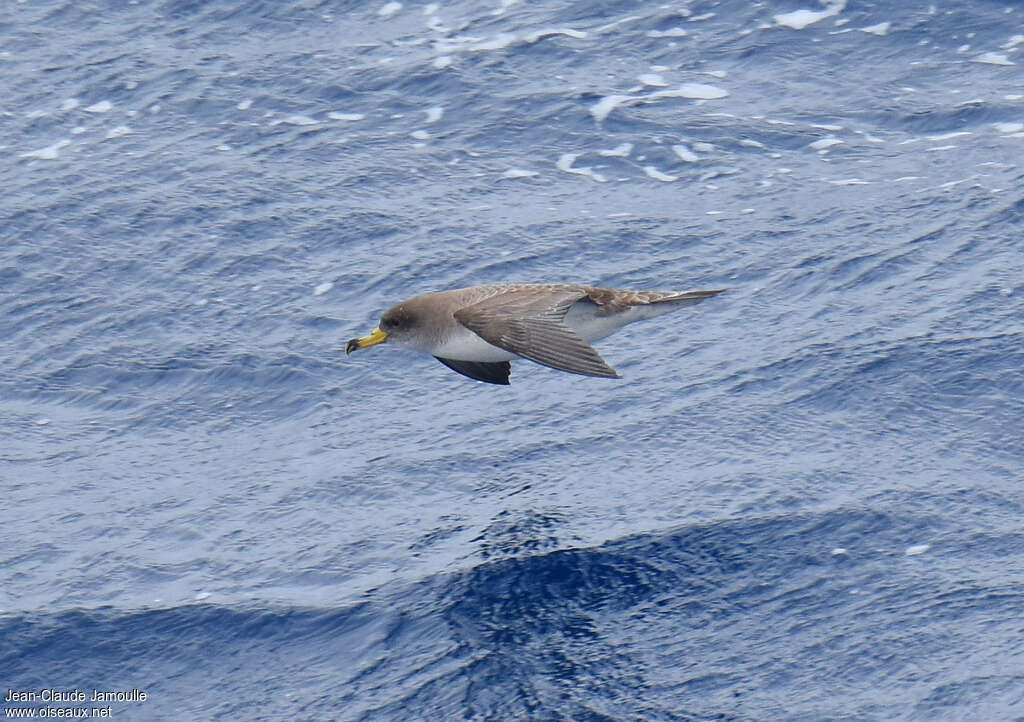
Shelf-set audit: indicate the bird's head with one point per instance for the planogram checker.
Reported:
(397, 325)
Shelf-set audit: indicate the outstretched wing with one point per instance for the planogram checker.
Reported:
(530, 324)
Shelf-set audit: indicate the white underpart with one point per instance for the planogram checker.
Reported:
(591, 325)
(582, 317)
(467, 346)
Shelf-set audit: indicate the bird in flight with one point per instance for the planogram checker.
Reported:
(476, 331)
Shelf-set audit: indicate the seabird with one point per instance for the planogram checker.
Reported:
(476, 331)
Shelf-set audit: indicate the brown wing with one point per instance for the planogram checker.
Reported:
(528, 322)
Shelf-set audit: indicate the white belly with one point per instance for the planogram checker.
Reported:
(589, 324)
(467, 346)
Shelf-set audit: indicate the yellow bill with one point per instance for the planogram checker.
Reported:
(375, 337)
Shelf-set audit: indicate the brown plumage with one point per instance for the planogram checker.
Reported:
(477, 330)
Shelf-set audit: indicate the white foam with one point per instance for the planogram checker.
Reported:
(505, 5)
(613, 25)
(442, 61)
(670, 33)
(657, 175)
(519, 173)
(245, 104)
(536, 35)
(104, 106)
(118, 131)
(653, 79)
(692, 91)
(620, 151)
(800, 19)
(434, 114)
(993, 59)
(913, 551)
(880, 29)
(69, 104)
(838, 551)
(420, 135)
(719, 172)
(296, 120)
(685, 154)
(697, 91)
(323, 288)
(345, 116)
(702, 147)
(499, 41)
(1008, 127)
(565, 162)
(751, 143)
(607, 104)
(1013, 42)
(947, 136)
(389, 10)
(50, 152)
(850, 182)
(825, 143)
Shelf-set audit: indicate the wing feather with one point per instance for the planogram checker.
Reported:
(529, 324)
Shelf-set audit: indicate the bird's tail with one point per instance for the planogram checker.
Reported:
(678, 298)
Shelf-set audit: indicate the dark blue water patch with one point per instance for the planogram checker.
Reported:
(690, 589)
(546, 621)
(519, 534)
(729, 620)
(155, 650)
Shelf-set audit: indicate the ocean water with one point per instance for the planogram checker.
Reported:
(802, 501)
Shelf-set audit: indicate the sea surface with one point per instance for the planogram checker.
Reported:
(803, 501)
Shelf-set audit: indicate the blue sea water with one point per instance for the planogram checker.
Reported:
(802, 501)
